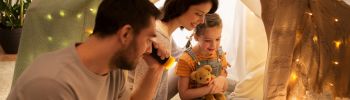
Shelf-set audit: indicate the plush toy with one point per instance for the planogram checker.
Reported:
(203, 76)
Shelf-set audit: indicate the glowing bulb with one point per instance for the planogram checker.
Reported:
(310, 13)
(337, 44)
(336, 20)
(336, 62)
(89, 31)
(297, 60)
(331, 84)
(294, 76)
(62, 14)
(79, 15)
(93, 11)
(49, 17)
(315, 38)
(49, 38)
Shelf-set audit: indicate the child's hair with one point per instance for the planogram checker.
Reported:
(211, 20)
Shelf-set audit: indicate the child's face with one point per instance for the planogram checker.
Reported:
(209, 41)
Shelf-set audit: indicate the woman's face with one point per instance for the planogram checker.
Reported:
(194, 15)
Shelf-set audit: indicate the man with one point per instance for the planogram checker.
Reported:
(95, 69)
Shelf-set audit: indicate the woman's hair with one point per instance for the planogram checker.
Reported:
(175, 8)
(211, 20)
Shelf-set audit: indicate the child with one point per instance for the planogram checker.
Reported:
(206, 52)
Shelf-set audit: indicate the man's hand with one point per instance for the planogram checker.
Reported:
(162, 53)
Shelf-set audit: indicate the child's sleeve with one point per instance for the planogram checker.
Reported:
(224, 62)
(184, 66)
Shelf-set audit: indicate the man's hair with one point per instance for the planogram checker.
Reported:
(114, 14)
(175, 8)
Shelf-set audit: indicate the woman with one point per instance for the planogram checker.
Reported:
(176, 14)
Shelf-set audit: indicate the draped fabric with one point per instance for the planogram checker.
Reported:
(309, 50)
(53, 24)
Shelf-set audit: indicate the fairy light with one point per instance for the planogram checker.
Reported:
(294, 76)
(336, 62)
(331, 84)
(89, 31)
(79, 15)
(297, 60)
(337, 44)
(93, 11)
(49, 17)
(315, 38)
(336, 19)
(62, 13)
(49, 38)
(309, 13)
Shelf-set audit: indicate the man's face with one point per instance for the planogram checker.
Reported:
(128, 57)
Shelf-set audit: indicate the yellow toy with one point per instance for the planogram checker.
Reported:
(203, 76)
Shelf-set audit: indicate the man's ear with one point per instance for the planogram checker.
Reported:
(125, 34)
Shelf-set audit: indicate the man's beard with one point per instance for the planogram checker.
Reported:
(124, 60)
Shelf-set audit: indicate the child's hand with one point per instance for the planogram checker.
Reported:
(220, 82)
(215, 89)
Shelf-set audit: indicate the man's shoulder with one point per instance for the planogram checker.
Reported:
(50, 65)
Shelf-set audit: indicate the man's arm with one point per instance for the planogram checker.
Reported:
(148, 85)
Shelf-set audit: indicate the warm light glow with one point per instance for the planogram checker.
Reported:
(62, 13)
(89, 31)
(310, 13)
(336, 62)
(337, 44)
(49, 38)
(294, 98)
(293, 76)
(79, 15)
(331, 84)
(297, 60)
(315, 38)
(49, 17)
(336, 20)
(93, 11)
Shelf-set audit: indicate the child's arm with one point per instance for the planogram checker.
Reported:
(186, 93)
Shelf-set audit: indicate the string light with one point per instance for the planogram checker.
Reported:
(79, 15)
(309, 13)
(49, 38)
(93, 11)
(315, 38)
(331, 84)
(293, 76)
(336, 62)
(297, 60)
(336, 19)
(89, 31)
(337, 44)
(62, 13)
(49, 17)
